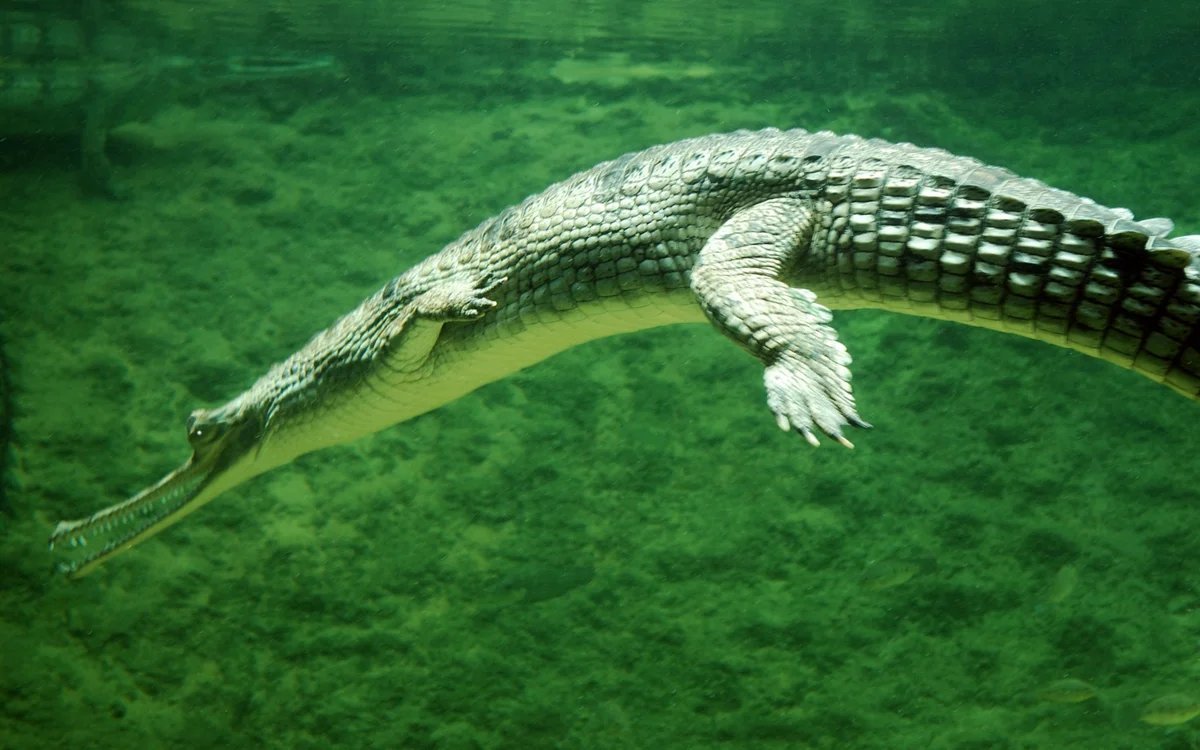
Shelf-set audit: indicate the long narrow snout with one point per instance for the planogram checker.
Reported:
(225, 453)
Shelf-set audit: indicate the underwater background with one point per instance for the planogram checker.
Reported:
(615, 548)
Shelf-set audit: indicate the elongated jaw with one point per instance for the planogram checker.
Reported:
(85, 543)
(226, 451)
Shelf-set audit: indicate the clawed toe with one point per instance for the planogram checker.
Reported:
(805, 403)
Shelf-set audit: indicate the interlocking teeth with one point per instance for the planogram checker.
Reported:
(89, 540)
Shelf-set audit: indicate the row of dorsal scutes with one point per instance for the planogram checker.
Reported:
(744, 156)
(778, 156)
(664, 168)
(1014, 206)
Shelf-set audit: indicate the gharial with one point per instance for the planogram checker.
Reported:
(748, 230)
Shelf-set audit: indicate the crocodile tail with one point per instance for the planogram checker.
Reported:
(1120, 290)
(1190, 292)
(1152, 323)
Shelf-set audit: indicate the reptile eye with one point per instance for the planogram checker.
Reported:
(200, 431)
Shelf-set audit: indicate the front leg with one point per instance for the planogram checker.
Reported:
(461, 299)
(737, 280)
(415, 330)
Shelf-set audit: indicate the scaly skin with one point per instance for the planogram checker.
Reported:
(748, 230)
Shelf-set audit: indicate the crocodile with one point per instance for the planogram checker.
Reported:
(763, 234)
(65, 76)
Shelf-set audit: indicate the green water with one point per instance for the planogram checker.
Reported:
(616, 548)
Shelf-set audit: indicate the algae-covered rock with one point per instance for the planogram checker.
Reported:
(1171, 709)
(1067, 690)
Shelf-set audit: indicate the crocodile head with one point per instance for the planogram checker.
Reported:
(227, 449)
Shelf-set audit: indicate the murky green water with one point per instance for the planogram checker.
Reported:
(616, 548)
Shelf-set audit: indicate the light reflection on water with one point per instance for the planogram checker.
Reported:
(1027, 42)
